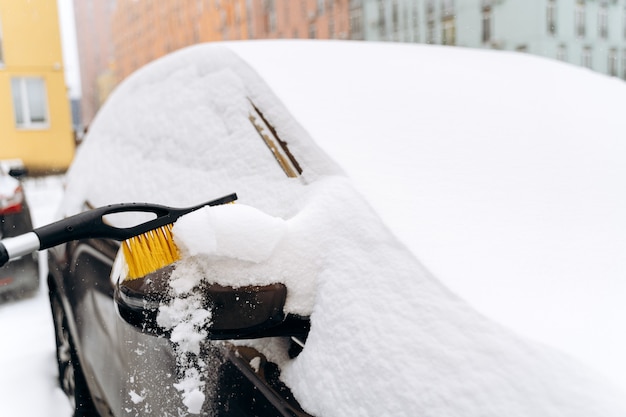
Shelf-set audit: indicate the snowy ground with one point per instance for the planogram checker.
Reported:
(28, 373)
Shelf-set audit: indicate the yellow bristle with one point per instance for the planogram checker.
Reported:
(150, 251)
(166, 241)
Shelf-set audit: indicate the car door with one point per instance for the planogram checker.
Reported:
(90, 292)
(129, 372)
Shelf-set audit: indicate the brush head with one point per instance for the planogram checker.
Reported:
(146, 247)
(149, 252)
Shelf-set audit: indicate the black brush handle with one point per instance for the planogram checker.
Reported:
(90, 224)
(4, 255)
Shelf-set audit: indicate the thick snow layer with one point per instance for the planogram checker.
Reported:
(473, 161)
(502, 172)
(387, 337)
(235, 231)
(7, 186)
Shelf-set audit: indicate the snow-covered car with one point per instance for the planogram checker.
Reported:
(21, 277)
(296, 299)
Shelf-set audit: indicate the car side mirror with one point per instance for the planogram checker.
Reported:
(18, 172)
(246, 312)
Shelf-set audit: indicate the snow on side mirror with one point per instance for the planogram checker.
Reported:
(246, 312)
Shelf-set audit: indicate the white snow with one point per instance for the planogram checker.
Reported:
(185, 317)
(188, 321)
(7, 186)
(502, 173)
(255, 363)
(27, 354)
(191, 387)
(135, 398)
(235, 231)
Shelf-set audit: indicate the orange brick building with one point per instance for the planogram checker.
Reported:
(147, 29)
(95, 51)
(139, 31)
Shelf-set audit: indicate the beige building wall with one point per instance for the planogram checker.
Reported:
(34, 104)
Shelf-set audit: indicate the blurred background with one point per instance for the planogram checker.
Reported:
(60, 59)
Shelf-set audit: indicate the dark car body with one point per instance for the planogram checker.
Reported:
(19, 278)
(108, 359)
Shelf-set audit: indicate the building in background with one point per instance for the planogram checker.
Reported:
(145, 30)
(389, 20)
(95, 52)
(305, 19)
(34, 105)
(588, 33)
(116, 37)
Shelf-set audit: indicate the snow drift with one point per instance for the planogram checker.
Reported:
(502, 172)
(387, 337)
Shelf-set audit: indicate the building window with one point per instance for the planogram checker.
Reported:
(579, 18)
(449, 31)
(395, 18)
(612, 64)
(603, 20)
(29, 102)
(448, 23)
(250, 28)
(486, 23)
(416, 24)
(312, 31)
(430, 21)
(586, 57)
(624, 64)
(356, 22)
(270, 11)
(382, 27)
(406, 24)
(551, 17)
(561, 53)
(624, 21)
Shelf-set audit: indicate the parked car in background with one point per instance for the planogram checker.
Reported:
(19, 278)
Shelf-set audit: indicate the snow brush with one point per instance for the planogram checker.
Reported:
(147, 246)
